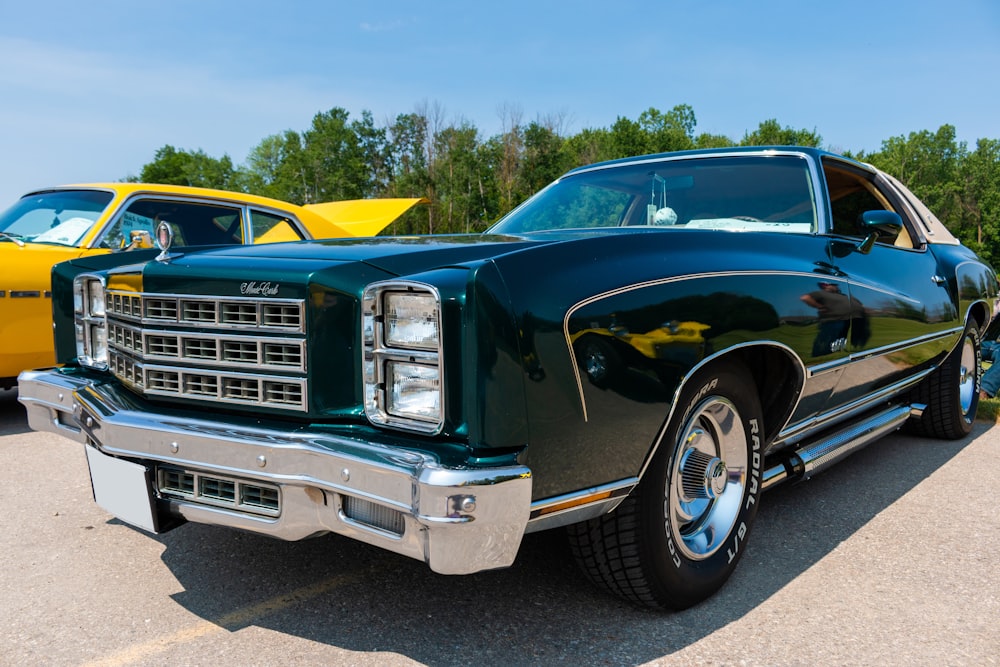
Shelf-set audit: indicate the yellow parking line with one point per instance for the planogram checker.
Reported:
(235, 619)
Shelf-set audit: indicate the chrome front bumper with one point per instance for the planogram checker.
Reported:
(458, 520)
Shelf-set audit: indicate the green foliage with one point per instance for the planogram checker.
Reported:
(471, 181)
(195, 169)
(770, 133)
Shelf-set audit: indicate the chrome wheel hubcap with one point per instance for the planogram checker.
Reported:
(967, 376)
(708, 478)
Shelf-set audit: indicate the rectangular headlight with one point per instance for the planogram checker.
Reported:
(402, 356)
(96, 290)
(90, 321)
(98, 344)
(414, 391)
(411, 320)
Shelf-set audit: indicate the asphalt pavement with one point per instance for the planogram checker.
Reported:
(889, 558)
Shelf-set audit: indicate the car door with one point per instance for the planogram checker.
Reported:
(903, 314)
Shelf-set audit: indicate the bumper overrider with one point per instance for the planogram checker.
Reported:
(148, 469)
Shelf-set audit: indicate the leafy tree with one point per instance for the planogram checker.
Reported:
(276, 168)
(171, 166)
(979, 176)
(928, 164)
(333, 159)
(471, 182)
(408, 162)
(671, 131)
(460, 188)
(375, 154)
(588, 146)
(707, 140)
(628, 138)
(507, 151)
(544, 159)
(770, 133)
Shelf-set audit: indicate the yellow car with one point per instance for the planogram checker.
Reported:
(53, 225)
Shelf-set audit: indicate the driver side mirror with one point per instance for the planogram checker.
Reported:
(878, 223)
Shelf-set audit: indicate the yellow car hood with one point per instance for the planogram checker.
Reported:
(361, 217)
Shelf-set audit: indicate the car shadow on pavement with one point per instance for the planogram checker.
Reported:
(13, 418)
(356, 597)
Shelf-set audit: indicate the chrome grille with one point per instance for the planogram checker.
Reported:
(198, 312)
(163, 381)
(162, 345)
(246, 351)
(218, 491)
(160, 309)
(129, 305)
(201, 348)
(283, 316)
(280, 354)
(214, 312)
(240, 352)
(239, 313)
(374, 515)
(240, 389)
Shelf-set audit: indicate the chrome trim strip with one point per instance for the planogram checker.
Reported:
(836, 364)
(796, 432)
(579, 505)
(459, 520)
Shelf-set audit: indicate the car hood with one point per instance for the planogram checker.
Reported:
(397, 255)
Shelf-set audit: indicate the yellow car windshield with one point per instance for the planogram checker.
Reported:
(61, 217)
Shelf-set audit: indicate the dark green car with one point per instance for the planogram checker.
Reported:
(635, 354)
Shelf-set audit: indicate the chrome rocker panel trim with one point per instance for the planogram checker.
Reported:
(457, 520)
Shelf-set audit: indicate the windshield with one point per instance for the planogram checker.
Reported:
(731, 193)
(61, 217)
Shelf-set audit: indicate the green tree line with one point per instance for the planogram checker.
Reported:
(471, 181)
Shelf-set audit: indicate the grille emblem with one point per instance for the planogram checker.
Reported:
(255, 288)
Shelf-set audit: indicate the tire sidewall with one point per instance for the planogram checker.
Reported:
(683, 580)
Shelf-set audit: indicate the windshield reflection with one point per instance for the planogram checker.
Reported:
(60, 217)
(771, 193)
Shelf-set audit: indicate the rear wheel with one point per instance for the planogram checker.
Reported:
(677, 538)
(951, 393)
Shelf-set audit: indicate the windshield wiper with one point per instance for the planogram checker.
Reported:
(12, 237)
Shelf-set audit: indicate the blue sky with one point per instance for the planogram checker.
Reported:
(90, 90)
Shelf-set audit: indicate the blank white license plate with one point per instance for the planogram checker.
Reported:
(122, 488)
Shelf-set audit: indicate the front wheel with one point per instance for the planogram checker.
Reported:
(951, 393)
(678, 537)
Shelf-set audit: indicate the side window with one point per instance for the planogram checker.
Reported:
(851, 194)
(192, 224)
(270, 228)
